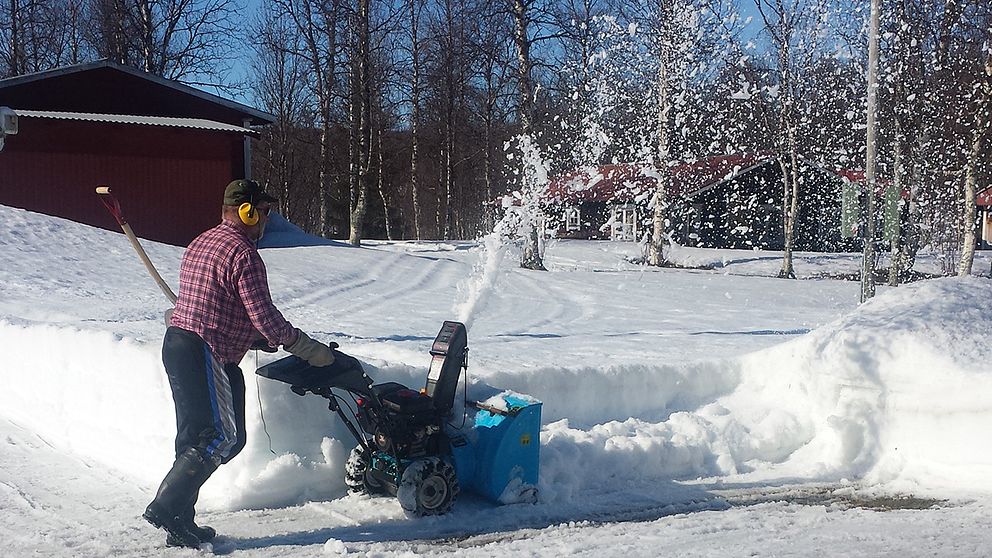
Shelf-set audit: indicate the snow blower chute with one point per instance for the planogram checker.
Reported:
(408, 443)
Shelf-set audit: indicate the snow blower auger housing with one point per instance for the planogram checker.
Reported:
(410, 445)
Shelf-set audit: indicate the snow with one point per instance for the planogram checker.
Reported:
(706, 412)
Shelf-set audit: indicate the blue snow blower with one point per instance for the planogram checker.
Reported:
(409, 444)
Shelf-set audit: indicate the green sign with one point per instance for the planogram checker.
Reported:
(850, 209)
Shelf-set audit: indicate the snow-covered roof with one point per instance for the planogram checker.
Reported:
(197, 123)
(625, 183)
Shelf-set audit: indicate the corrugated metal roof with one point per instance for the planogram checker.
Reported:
(260, 116)
(197, 123)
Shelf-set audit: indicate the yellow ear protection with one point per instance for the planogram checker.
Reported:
(247, 211)
(248, 214)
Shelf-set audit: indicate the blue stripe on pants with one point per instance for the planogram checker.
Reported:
(222, 407)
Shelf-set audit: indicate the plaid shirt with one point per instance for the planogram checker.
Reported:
(224, 295)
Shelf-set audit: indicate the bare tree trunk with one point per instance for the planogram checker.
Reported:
(415, 116)
(382, 189)
(871, 152)
(790, 201)
(324, 177)
(147, 30)
(782, 31)
(969, 210)
(14, 64)
(525, 85)
(659, 239)
(787, 161)
(441, 198)
(898, 262)
(361, 132)
(448, 131)
(487, 167)
(983, 123)
(531, 256)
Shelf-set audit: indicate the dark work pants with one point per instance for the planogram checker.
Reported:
(209, 398)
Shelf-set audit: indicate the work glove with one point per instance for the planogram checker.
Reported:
(314, 352)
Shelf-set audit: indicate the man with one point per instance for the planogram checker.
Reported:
(224, 307)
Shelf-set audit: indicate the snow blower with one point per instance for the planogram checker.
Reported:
(409, 447)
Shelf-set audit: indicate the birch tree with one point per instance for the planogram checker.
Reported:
(360, 131)
(978, 104)
(413, 13)
(794, 29)
(524, 16)
(871, 151)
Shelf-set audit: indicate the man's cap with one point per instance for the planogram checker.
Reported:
(245, 191)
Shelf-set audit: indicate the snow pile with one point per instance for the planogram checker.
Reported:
(894, 393)
(280, 233)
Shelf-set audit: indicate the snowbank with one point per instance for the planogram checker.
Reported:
(895, 392)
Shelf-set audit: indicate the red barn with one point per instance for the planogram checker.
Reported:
(167, 149)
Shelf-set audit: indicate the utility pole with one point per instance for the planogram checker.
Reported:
(868, 261)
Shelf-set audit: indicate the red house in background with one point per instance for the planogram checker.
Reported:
(723, 201)
(168, 150)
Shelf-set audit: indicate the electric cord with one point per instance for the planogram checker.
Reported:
(261, 413)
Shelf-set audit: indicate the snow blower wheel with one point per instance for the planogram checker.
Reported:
(429, 487)
(356, 475)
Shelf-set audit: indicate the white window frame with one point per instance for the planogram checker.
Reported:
(624, 223)
(573, 218)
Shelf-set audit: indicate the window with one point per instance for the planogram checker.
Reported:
(624, 223)
(573, 219)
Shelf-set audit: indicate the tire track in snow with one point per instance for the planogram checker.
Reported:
(384, 265)
(531, 312)
(423, 276)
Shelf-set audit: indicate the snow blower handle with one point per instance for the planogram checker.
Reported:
(114, 207)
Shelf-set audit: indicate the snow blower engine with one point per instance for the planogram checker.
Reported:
(409, 444)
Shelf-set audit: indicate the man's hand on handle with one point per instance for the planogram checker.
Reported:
(314, 352)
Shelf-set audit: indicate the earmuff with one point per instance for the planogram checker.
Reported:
(248, 214)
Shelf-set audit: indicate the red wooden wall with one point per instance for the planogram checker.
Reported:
(170, 181)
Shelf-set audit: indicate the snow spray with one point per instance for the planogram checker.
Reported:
(521, 213)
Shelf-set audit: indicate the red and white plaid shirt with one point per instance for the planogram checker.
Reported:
(224, 295)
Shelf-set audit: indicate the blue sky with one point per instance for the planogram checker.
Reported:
(252, 8)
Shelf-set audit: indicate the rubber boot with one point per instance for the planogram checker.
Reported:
(205, 533)
(183, 481)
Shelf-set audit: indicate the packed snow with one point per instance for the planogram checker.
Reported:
(706, 411)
